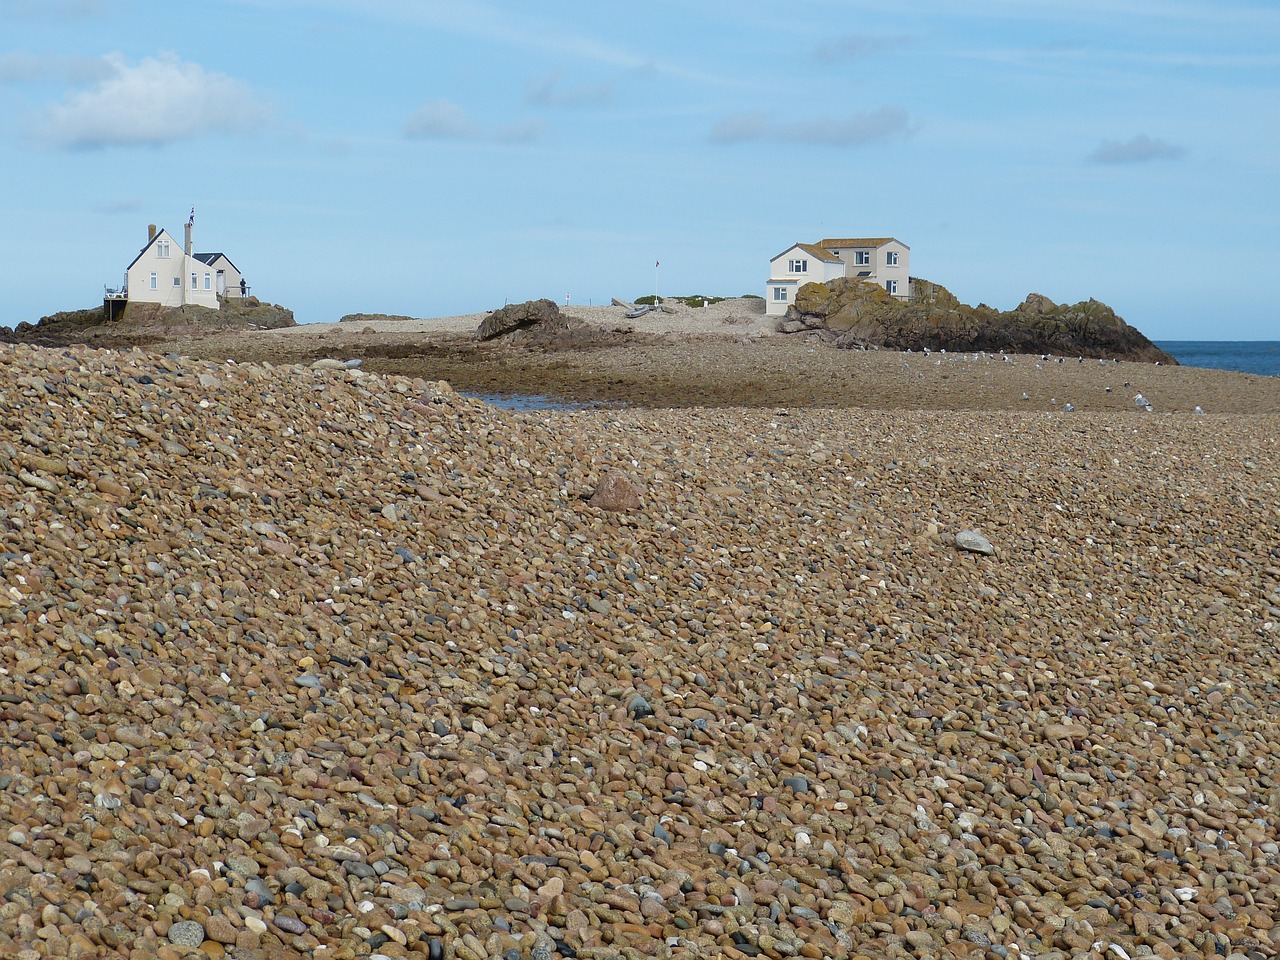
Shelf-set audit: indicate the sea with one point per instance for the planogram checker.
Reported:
(1244, 356)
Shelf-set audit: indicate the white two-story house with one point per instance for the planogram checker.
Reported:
(168, 273)
(880, 260)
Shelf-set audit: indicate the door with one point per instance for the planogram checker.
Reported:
(222, 283)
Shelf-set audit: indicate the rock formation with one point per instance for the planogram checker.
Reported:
(854, 314)
(143, 323)
(517, 316)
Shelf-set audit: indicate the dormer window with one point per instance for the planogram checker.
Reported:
(798, 266)
(162, 249)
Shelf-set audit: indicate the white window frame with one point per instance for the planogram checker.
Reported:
(177, 281)
(891, 258)
(780, 294)
(862, 258)
(155, 281)
(798, 266)
(891, 286)
(208, 281)
(194, 283)
(162, 249)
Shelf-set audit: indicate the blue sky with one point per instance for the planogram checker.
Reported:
(424, 158)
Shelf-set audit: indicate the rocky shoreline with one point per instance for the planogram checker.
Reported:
(308, 660)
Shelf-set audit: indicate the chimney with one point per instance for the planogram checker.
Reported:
(151, 232)
(186, 247)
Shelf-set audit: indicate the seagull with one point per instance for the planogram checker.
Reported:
(1140, 401)
(1198, 410)
(1069, 408)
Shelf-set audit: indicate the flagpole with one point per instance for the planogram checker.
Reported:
(656, 265)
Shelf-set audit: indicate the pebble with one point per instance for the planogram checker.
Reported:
(186, 933)
(974, 542)
(784, 717)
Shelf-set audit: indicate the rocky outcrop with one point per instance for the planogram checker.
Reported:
(543, 314)
(143, 323)
(854, 313)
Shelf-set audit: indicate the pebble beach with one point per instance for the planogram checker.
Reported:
(318, 660)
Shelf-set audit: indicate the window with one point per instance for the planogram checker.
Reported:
(177, 281)
(780, 294)
(155, 282)
(162, 249)
(798, 266)
(208, 281)
(193, 282)
(862, 258)
(891, 258)
(891, 286)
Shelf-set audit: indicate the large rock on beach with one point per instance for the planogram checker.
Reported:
(857, 313)
(542, 313)
(324, 662)
(616, 492)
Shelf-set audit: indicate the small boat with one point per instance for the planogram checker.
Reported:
(639, 311)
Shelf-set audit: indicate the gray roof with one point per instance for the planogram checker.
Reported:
(208, 258)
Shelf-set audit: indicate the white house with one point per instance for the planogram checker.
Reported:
(880, 260)
(168, 273)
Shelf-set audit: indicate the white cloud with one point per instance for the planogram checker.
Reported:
(23, 66)
(1141, 149)
(124, 205)
(526, 132)
(854, 46)
(441, 120)
(549, 92)
(160, 100)
(446, 120)
(861, 129)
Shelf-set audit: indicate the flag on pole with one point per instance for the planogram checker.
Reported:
(656, 265)
(191, 220)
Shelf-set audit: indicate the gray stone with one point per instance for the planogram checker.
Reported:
(186, 933)
(974, 542)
